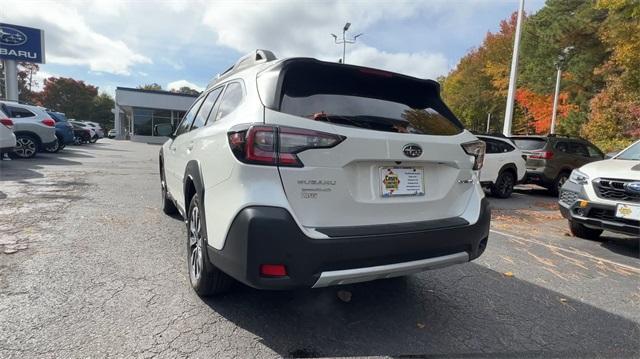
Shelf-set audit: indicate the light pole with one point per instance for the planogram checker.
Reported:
(344, 40)
(560, 62)
(508, 113)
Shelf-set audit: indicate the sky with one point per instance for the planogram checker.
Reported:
(111, 43)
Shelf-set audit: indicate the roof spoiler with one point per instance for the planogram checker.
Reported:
(253, 58)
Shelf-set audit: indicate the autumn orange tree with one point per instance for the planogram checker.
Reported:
(538, 109)
(615, 112)
(600, 87)
(478, 85)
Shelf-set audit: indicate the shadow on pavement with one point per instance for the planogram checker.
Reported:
(13, 173)
(99, 146)
(467, 311)
(627, 246)
(20, 169)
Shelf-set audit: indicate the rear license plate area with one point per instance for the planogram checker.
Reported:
(401, 181)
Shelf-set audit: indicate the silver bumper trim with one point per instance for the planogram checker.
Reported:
(388, 271)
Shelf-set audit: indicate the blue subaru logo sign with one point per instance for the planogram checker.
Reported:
(633, 187)
(21, 43)
(12, 37)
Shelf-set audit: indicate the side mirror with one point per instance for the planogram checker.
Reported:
(163, 129)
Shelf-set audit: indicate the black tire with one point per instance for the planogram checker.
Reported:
(168, 207)
(26, 146)
(205, 278)
(93, 139)
(55, 147)
(504, 185)
(554, 189)
(581, 231)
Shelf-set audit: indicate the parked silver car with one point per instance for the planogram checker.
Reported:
(96, 127)
(33, 127)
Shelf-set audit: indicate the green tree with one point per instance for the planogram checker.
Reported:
(479, 83)
(614, 119)
(559, 25)
(73, 97)
(26, 82)
(152, 86)
(187, 90)
(103, 104)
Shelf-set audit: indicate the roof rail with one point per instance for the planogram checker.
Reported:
(253, 58)
(564, 135)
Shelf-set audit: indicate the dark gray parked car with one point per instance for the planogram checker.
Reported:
(550, 159)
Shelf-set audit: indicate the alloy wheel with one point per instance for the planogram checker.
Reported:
(506, 184)
(25, 147)
(196, 263)
(561, 182)
(54, 147)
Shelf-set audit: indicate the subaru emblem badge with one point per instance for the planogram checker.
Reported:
(412, 150)
(633, 187)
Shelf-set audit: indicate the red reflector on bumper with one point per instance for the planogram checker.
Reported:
(273, 270)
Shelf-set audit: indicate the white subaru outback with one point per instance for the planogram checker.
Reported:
(303, 173)
(604, 195)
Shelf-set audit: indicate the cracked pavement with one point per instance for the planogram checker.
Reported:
(90, 267)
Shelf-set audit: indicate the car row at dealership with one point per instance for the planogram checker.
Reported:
(26, 130)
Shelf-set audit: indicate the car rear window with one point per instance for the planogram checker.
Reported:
(529, 143)
(366, 98)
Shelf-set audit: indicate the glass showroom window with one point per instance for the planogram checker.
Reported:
(160, 117)
(177, 117)
(142, 121)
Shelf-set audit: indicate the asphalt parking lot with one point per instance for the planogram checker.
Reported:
(90, 267)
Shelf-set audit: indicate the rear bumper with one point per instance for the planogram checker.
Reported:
(594, 215)
(269, 235)
(65, 134)
(537, 177)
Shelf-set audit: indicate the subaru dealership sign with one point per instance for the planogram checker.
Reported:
(21, 43)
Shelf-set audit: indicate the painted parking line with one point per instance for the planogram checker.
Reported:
(579, 253)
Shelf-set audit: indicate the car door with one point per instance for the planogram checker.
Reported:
(594, 153)
(175, 160)
(581, 154)
(492, 161)
(562, 157)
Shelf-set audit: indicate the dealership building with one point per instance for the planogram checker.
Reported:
(137, 111)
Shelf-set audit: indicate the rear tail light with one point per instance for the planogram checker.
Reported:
(7, 123)
(276, 145)
(541, 155)
(49, 122)
(475, 149)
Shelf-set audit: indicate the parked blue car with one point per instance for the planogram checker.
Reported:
(64, 132)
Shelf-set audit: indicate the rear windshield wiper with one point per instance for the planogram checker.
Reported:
(331, 118)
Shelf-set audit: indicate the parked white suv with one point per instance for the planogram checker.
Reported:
(504, 165)
(604, 195)
(302, 173)
(33, 127)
